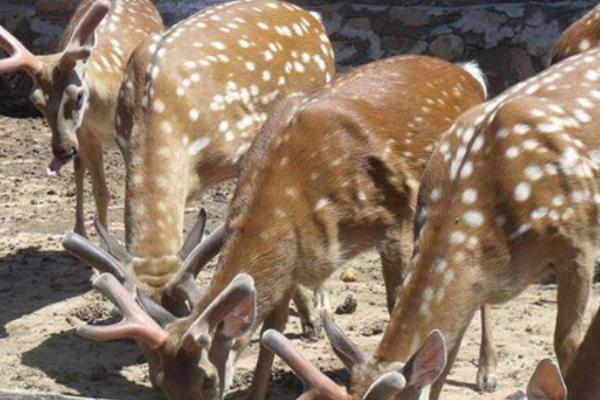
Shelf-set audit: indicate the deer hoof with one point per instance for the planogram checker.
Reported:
(312, 330)
(80, 229)
(486, 381)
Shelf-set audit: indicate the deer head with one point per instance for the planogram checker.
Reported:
(60, 91)
(187, 356)
(393, 381)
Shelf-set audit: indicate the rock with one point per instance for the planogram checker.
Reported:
(374, 328)
(348, 306)
(448, 47)
(360, 23)
(349, 275)
(56, 6)
(410, 16)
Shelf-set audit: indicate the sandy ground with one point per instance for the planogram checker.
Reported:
(45, 293)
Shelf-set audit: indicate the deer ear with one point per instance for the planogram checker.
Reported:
(547, 382)
(83, 38)
(238, 322)
(233, 311)
(427, 364)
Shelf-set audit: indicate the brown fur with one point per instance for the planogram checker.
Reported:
(173, 103)
(104, 71)
(339, 174)
(582, 35)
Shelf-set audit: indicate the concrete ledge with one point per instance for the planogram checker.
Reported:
(30, 395)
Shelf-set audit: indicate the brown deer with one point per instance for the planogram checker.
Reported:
(330, 175)
(410, 380)
(510, 195)
(581, 36)
(189, 107)
(76, 88)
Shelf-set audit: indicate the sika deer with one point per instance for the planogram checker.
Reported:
(330, 175)
(190, 105)
(76, 89)
(510, 195)
(581, 36)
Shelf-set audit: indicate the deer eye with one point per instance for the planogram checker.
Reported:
(79, 98)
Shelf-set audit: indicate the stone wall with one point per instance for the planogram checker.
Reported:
(510, 39)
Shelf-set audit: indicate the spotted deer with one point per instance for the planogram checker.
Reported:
(330, 175)
(401, 381)
(581, 36)
(183, 126)
(509, 195)
(76, 88)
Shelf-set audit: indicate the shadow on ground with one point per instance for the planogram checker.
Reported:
(31, 279)
(284, 384)
(90, 368)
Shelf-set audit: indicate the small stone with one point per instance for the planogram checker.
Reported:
(348, 306)
(349, 275)
(374, 328)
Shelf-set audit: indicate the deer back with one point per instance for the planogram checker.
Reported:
(338, 167)
(581, 36)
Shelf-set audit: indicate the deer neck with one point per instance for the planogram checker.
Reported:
(269, 258)
(157, 187)
(99, 116)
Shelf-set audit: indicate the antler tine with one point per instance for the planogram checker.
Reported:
(96, 257)
(316, 384)
(182, 286)
(114, 247)
(195, 235)
(342, 346)
(160, 314)
(204, 252)
(20, 57)
(75, 49)
(135, 323)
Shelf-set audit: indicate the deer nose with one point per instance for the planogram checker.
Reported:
(65, 153)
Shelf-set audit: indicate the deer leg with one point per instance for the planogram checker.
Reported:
(574, 285)
(436, 388)
(395, 254)
(486, 373)
(79, 177)
(262, 374)
(309, 318)
(94, 157)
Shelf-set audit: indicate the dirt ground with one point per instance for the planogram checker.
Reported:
(45, 293)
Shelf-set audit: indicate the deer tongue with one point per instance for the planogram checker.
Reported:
(54, 167)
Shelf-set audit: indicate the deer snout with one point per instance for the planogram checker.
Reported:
(65, 153)
(65, 147)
